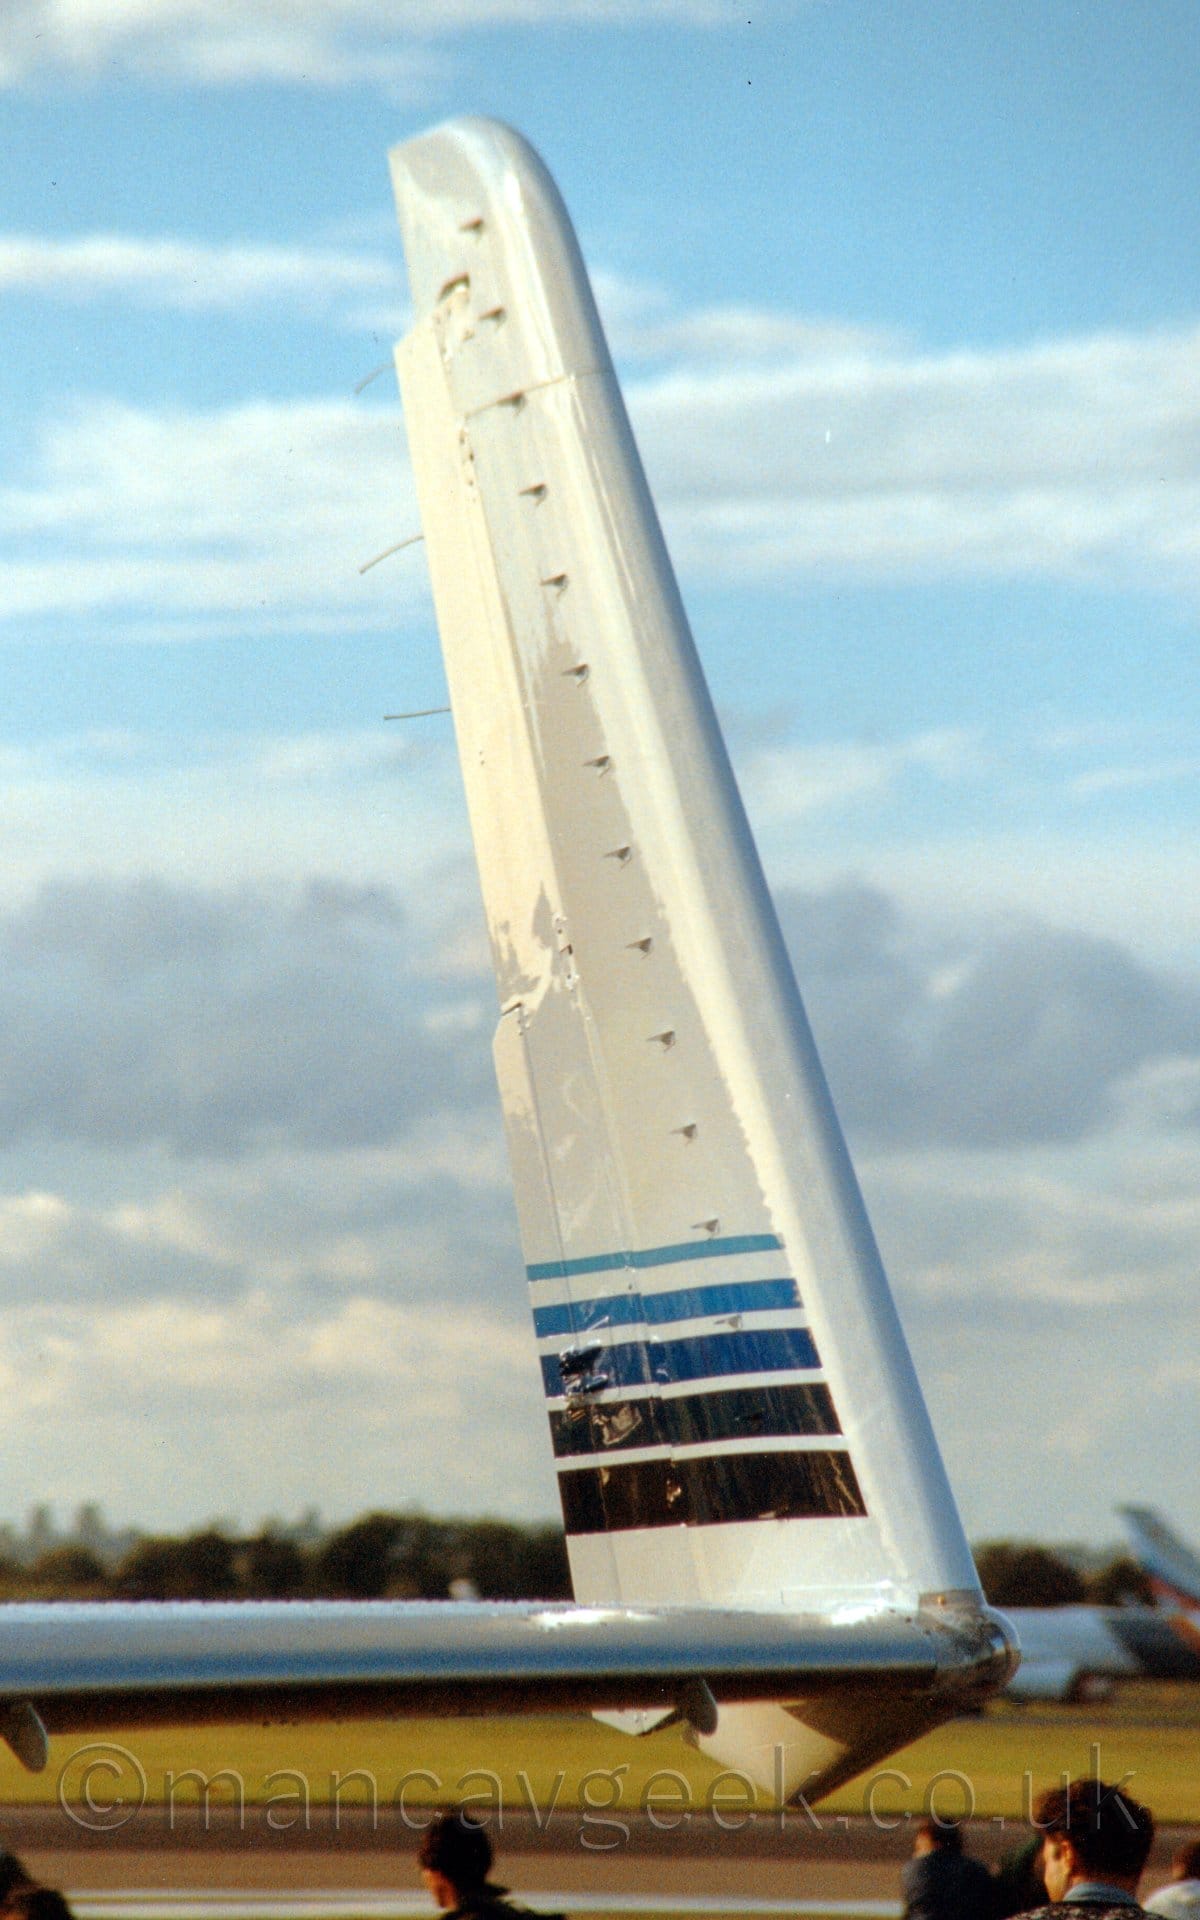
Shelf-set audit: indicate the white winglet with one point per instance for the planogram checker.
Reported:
(734, 1412)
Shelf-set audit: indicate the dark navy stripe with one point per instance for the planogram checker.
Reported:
(708, 1492)
(687, 1420)
(656, 1256)
(654, 1309)
(705, 1357)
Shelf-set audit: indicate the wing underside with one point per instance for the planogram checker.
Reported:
(71, 1668)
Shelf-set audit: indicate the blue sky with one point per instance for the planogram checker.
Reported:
(906, 306)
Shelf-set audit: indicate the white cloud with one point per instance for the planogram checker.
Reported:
(1048, 1299)
(254, 1406)
(642, 323)
(313, 43)
(1072, 460)
(382, 806)
(1122, 779)
(784, 784)
(250, 517)
(194, 276)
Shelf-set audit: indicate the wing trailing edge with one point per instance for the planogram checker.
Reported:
(80, 1667)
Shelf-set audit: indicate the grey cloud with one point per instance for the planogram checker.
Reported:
(52, 1251)
(1015, 1034)
(209, 1023)
(1048, 1303)
(328, 1019)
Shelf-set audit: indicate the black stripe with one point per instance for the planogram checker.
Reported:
(710, 1491)
(701, 1356)
(740, 1413)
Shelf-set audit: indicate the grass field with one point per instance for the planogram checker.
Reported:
(987, 1766)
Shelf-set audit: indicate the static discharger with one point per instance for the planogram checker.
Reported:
(706, 1226)
(665, 1039)
(644, 945)
(417, 713)
(23, 1732)
(602, 763)
(622, 855)
(556, 580)
(697, 1708)
(579, 673)
(473, 225)
(385, 366)
(537, 492)
(411, 541)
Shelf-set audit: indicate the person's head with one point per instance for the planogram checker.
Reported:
(455, 1856)
(1092, 1832)
(36, 1903)
(14, 1878)
(937, 1836)
(1185, 1863)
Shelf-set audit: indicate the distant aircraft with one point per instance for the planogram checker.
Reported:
(1072, 1652)
(762, 1539)
(1171, 1567)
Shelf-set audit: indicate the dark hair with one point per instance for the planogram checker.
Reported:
(1110, 1831)
(13, 1876)
(1186, 1863)
(945, 1835)
(454, 1845)
(39, 1903)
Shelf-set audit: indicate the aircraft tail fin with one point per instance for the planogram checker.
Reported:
(733, 1408)
(1171, 1566)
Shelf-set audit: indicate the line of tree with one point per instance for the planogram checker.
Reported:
(1023, 1574)
(409, 1556)
(393, 1556)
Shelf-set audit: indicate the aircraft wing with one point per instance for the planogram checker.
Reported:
(762, 1537)
(76, 1668)
(733, 1410)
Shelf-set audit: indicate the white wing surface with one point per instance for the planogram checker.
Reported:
(733, 1409)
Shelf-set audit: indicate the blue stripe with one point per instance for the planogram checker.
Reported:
(655, 1309)
(656, 1256)
(708, 1356)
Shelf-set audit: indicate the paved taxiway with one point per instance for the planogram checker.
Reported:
(239, 1868)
